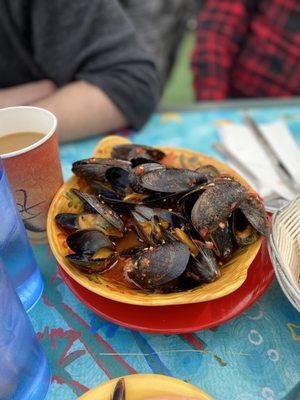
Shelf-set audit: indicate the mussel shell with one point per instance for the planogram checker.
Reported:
(104, 190)
(204, 267)
(142, 160)
(67, 221)
(95, 168)
(151, 223)
(209, 171)
(120, 179)
(253, 209)
(87, 241)
(149, 213)
(120, 390)
(89, 265)
(148, 167)
(92, 204)
(96, 221)
(222, 239)
(171, 180)
(216, 204)
(133, 151)
(243, 231)
(186, 201)
(156, 266)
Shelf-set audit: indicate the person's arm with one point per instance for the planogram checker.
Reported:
(26, 94)
(82, 109)
(89, 49)
(222, 26)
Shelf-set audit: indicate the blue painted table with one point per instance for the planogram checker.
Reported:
(258, 353)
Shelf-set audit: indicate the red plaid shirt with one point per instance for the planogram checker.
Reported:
(247, 48)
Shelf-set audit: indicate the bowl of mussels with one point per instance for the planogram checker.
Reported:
(155, 226)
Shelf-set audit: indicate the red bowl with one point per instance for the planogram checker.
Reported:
(181, 318)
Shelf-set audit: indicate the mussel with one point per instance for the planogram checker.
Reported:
(170, 180)
(72, 222)
(156, 266)
(216, 204)
(209, 171)
(170, 228)
(96, 168)
(87, 241)
(119, 390)
(92, 204)
(203, 268)
(134, 151)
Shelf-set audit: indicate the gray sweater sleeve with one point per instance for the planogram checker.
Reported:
(93, 40)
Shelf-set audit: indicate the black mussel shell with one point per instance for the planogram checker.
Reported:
(253, 209)
(223, 241)
(92, 204)
(95, 168)
(216, 204)
(87, 241)
(171, 180)
(149, 213)
(204, 267)
(120, 390)
(67, 221)
(133, 151)
(96, 221)
(243, 231)
(156, 266)
(209, 171)
(186, 201)
(121, 180)
(89, 265)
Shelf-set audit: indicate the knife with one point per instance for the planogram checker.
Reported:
(284, 174)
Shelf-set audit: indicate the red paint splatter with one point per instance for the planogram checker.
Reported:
(103, 342)
(193, 340)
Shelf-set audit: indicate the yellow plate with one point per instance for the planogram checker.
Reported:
(141, 387)
(233, 274)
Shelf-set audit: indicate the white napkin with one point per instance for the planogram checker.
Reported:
(244, 145)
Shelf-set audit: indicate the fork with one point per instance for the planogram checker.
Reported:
(273, 201)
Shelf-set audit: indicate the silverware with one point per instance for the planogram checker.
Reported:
(273, 201)
(284, 174)
(224, 151)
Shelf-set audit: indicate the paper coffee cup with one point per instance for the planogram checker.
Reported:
(34, 172)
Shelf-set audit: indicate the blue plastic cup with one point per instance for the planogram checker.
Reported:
(24, 370)
(15, 249)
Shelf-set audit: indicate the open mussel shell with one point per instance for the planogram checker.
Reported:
(203, 268)
(216, 204)
(222, 239)
(134, 151)
(119, 390)
(243, 231)
(186, 201)
(95, 168)
(96, 221)
(156, 266)
(253, 209)
(67, 221)
(87, 241)
(91, 265)
(150, 223)
(121, 180)
(148, 213)
(92, 204)
(171, 180)
(148, 167)
(208, 171)
(72, 222)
